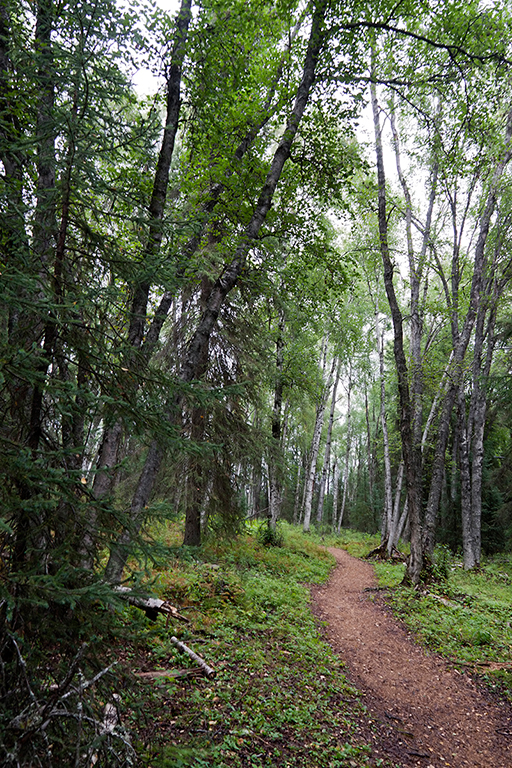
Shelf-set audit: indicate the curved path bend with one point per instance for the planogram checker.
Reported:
(424, 713)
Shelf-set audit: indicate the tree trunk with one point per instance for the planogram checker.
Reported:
(409, 449)
(327, 455)
(120, 551)
(402, 522)
(394, 532)
(296, 502)
(416, 267)
(370, 452)
(465, 482)
(315, 447)
(347, 454)
(256, 489)
(388, 482)
(335, 491)
(276, 458)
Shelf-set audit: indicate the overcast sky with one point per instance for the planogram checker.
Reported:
(144, 81)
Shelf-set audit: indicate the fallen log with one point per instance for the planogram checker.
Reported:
(209, 672)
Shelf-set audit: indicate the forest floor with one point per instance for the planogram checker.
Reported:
(424, 713)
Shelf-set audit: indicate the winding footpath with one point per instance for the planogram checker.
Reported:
(424, 713)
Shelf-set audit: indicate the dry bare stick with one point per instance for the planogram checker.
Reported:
(167, 673)
(209, 672)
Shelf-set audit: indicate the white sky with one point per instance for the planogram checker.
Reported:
(145, 83)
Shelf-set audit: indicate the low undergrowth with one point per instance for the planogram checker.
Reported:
(279, 696)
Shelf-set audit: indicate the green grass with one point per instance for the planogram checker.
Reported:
(356, 543)
(279, 695)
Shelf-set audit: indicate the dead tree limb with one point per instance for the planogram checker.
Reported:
(151, 605)
(209, 672)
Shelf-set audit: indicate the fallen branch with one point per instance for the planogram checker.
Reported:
(443, 600)
(110, 722)
(168, 673)
(151, 605)
(209, 672)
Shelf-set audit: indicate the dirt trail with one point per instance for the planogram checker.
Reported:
(425, 714)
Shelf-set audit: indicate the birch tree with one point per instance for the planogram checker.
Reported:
(327, 373)
(327, 452)
(348, 447)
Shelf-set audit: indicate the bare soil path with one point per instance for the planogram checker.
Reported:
(425, 714)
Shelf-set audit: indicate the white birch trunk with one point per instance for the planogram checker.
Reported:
(335, 491)
(347, 454)
(315, 446)
(393, 535)
(296, 503)
(327, 455)
(388, 483)
(402, 521)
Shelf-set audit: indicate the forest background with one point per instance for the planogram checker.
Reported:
(219, 303)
